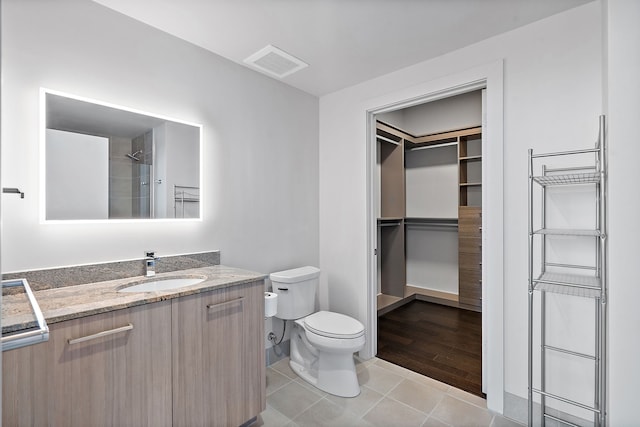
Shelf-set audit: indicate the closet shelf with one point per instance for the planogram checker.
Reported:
(567, 232)
(569, 284)
(470, 158)
(568, 179)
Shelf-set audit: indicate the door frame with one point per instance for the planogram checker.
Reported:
(490, 78)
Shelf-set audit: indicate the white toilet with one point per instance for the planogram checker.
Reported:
(322, 343)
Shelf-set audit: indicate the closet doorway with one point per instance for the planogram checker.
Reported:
(429, 237)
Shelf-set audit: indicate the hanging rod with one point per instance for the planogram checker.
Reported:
(382, 138)
(432, 222)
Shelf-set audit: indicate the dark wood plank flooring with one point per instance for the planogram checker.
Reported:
(444, 343)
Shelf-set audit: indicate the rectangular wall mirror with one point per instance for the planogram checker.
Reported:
(109, 162)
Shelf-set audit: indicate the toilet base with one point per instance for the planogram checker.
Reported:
(339, 382)
(334, 373)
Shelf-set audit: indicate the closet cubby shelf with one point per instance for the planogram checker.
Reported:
(471, 158)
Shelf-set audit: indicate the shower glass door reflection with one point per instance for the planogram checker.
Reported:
(142, 191)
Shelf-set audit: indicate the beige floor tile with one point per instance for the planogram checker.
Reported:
(419, 396)
(461, 414)
(393, 413)
(468, 397)
(326, 413)
(271, 418)
(292, 399)
(414, 376)
(311, 387)
(275, 380)
(361, 363)
(283, 367)
(360, 404)
(378, 379)
(434, 422)
(363, 423)
(404, 372)
(500, 421)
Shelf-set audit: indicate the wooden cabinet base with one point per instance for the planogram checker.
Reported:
(470, 256)
(122, 379)
(192, 361)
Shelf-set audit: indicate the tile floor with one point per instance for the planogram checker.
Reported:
(391, 396)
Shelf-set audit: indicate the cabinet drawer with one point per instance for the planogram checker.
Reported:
(471, 261)
(471, 228)
(474, 302)
(470, 213)
(469, 221)
(470, 287)
(471, 245)
(469, 277)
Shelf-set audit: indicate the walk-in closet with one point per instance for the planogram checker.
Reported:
(429, 223)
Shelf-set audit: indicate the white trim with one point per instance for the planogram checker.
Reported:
(491, 77)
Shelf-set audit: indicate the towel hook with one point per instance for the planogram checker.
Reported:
(13, 191)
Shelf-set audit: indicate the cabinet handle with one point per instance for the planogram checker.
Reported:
(225, 303)
(128, 327)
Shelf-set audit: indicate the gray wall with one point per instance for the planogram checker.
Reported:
(260, 148)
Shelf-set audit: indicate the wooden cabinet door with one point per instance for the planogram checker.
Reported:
(116, 376)
(218, 356)
(470, 256)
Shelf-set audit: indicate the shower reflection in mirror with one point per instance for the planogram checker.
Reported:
(107, 162)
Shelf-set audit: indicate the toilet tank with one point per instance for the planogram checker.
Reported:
(296, 291)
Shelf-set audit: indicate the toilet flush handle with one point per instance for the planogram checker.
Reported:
(283, 289)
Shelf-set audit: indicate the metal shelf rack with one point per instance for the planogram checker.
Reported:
(567, 279)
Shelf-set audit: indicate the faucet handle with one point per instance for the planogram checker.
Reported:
(150, 254)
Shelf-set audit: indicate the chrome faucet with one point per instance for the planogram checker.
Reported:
(150, 263)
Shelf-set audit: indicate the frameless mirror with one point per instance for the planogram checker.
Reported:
(108, 162)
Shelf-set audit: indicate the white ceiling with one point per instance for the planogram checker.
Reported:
(343, 41)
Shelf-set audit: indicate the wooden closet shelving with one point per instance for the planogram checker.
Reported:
(391, 250)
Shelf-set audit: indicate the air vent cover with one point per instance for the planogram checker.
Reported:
(275, 62)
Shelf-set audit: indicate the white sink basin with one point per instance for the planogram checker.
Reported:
(167, 284)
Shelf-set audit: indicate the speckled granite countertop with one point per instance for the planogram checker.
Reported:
(71, 302)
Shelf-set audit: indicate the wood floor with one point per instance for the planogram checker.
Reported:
(444, 343)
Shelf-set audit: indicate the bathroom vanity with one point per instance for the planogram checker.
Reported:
(183, 357)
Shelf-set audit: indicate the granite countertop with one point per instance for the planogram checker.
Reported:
(76, 301)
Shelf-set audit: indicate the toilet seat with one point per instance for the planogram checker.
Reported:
(333, 325)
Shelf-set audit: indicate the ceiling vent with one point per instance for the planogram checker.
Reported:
(275, 62)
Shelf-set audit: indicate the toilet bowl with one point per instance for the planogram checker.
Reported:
(322, 343)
